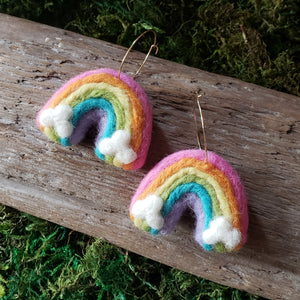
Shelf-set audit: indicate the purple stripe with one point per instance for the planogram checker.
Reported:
(188, 200)
(94, 118)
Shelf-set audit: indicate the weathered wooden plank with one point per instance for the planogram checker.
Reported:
(257, 130)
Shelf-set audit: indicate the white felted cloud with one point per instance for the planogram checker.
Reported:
(149, 210)
(220, 230)
(119, 146)
(46, 118)
(58, 118)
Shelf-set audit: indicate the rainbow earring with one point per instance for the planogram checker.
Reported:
(203, 181)
(114, 103)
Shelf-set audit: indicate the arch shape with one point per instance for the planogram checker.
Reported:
(87, 114)
(131, 107)
(202, 197)
(187, 173)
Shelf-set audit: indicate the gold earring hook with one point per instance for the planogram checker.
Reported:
(154, 45)
(200, 94)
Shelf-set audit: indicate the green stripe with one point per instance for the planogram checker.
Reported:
(101, 93)
(194, 178)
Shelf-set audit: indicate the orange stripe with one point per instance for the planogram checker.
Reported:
(137, 109)
(208, 168)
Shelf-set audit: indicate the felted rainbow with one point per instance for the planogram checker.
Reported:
(117, 106)
(211, 189)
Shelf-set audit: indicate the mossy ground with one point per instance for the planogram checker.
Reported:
(255, 40)
(41, 260)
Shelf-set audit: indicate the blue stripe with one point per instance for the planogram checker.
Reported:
(87, 105)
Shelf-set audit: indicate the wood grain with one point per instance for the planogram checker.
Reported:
(257, 130)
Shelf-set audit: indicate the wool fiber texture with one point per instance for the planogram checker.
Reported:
(116, 106)
(212, 190)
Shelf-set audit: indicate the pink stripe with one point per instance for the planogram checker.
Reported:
(215, 160)
(147, 130)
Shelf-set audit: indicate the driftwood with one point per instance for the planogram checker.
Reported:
(257, 130)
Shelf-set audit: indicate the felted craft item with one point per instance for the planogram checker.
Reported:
(212, 189)
(116, 105)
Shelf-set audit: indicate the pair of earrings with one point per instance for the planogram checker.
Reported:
(116, 104)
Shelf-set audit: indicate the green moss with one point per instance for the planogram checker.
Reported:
(41, 260)
(255, 40)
